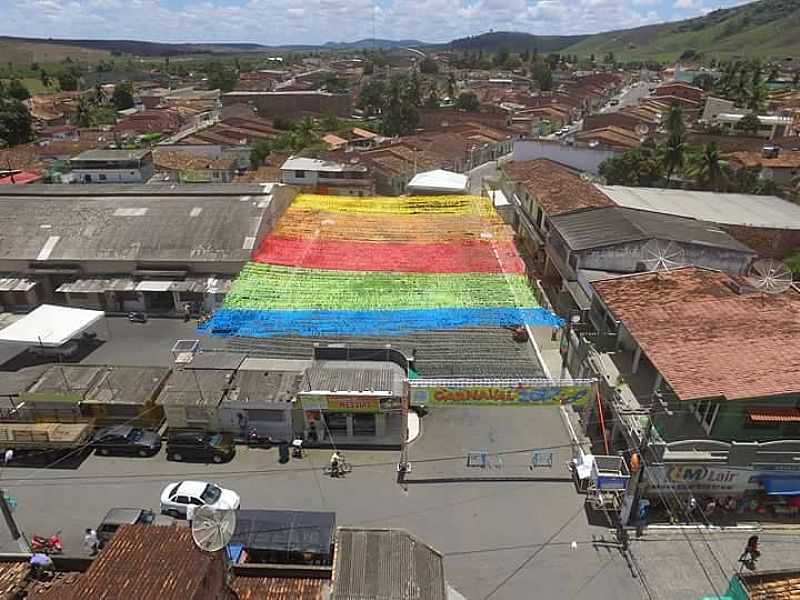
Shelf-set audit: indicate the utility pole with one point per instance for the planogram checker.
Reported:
(16, 534)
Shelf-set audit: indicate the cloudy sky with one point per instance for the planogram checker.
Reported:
(319, 21)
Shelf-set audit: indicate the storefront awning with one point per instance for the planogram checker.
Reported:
(774, 415)
(154, 286)
(16, 284)
(97, 285)
(781, 486)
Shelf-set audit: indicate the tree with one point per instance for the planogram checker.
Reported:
(749, 123)
(330, 122)
(222, 78)
(17, 91)
(282, 123)
(261, 149)
(468, 101)
(432, 101)
(452, 87)
(501, 58)
(673, 152)
(609, 58)
(707, 169)
(68, 81)
(83, 113)
(757, 94)
(428, 66)
(413, 90)
(543, 75)
(371, 97)
(400, 116)
(15, 122)
(44, 78)
(639, 168)
(122, 98)
(676, 127)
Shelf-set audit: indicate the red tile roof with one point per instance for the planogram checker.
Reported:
(556, 189)
(20, 178)
(143, 561)
(279, 588)
(611, 136)
(782, 414)
(785, 160)
(707, 340)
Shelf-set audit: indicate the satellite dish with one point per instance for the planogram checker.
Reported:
(769, 276)
(642, 129)
(660, 255)
(586, 176)
(212, 528)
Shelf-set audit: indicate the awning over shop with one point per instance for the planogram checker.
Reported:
(154, 286)
(285, 531)
(774, 415)
(98, 285)
(439, 181)
(16, 284)
(781, 486)
(50, 325)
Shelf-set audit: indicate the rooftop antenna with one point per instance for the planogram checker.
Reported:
(769, 276)
(212, 528)
(660, 255)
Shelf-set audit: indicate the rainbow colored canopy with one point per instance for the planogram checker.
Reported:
(337, 265)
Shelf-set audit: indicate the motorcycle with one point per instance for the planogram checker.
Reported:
(255, 440)
(47, 545)
(137, 317)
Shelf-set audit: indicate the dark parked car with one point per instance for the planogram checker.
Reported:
(117, 517)
(184, 444)
(124, 439)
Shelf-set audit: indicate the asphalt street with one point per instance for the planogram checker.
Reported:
(501, 540)
(630, 97)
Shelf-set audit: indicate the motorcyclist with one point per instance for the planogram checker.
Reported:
(336, 460)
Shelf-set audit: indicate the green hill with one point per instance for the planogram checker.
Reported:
(768, 28)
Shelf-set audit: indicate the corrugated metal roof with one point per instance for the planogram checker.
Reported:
(279, 588)
(16, 284)
(611, 226)
(388, 564)
(354, 376)
(730, 209)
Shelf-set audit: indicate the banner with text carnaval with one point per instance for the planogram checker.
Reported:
(522, 395)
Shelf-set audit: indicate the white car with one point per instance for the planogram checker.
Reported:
(180, 499)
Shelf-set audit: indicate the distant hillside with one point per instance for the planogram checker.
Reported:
(23, 51)
(516, 42)
(769, 28)
(376, 43)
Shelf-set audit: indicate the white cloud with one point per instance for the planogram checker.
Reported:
(319, 21)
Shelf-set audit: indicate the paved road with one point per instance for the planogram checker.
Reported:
(503, 541)
(630, 97)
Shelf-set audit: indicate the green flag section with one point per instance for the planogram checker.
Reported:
(270, 287)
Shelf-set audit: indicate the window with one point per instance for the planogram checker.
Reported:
(300, 174)
(272, 416)
(706, 413)
(102, 177)
(336, 423)
(363, 424)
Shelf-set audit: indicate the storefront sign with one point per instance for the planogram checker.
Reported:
(701, 479)
(350, 404)
(529, 395)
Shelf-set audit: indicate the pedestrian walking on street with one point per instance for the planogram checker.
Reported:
(641, 522)
(91, 542)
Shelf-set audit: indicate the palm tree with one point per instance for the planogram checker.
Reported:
(672, 156)
(676, 127)
(757, 95)
(707, 169)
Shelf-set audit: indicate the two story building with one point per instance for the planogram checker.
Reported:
(112, 166)
(327, 177)
(697, 375)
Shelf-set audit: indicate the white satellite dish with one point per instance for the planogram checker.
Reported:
(660, 255)
(212, 528)
(642, 129)
(769, 276)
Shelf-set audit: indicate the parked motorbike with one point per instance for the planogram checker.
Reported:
(137, 317)
(47, 545)
(255, 440)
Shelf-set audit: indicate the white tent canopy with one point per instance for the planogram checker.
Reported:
(440, 181)
(50, 325)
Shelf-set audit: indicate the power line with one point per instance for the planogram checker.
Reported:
(536, 553)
